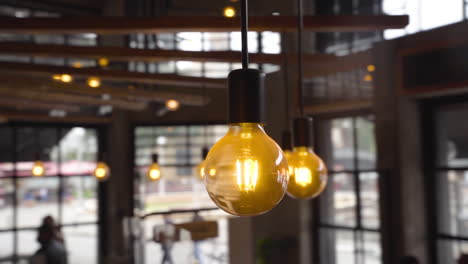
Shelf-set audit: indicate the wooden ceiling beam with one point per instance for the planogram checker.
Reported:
(148, 55)
(132, 25)
(70, 119)
(340, 64)
(124, 93)
(113, 75)
(21, 103)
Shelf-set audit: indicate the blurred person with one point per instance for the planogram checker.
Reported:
(51, 250)
(49, 221)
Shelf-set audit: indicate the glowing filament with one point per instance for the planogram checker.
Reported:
(154, 174)
(247, 174)
(303, 176)
(100, 173)
(38, 169)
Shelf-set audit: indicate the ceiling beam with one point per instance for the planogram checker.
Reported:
(45, 84)
(148, 55)
(131, 25)
(21, 103)
(346, 63)
(70, 119)
(130, 54)
(338, 107)
(114, 75)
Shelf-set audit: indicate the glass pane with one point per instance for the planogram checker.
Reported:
(216, 41)
(217, 69)
(366, 143)
(80, 200)
(189, 41)
(372, 250)
(189, 68)
(342, 144)
(6, 203)
(27, 241)
(271, 42)
(6, 152)
(370, 200)
(236, 43)
(78, 150)
(338, 202)
(33, 144)
(37, 198)
(6, 245)
(451, 137)
(449, 251)
(337, 247)
(453, 202)
(81, 242)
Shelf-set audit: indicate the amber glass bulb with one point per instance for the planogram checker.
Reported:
(246, 171)
(154, 172)
(103, 62)
(308, 176)
(38, 169)
(102, 171)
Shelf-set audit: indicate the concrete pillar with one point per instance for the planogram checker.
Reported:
(398, 135)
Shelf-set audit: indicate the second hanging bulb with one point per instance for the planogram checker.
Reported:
(307, 171)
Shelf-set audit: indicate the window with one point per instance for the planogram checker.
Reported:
(424, 15)
(66, 192)
(349, 207)
(264, 42)
(179, 149)
(451, 183)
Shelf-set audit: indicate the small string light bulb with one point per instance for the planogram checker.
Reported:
(38, 169)
(66, 78)
(103, 62)
(154, 171)
(94, 82)
(102, 171)
(229, 12)
(172, 105)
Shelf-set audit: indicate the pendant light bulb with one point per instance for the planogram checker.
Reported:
(66, 78)
(38, 169)
(229, 12)
(308, 173)
(247, 170)
(154, 171)
(102, 171)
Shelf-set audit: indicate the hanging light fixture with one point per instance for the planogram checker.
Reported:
(247, 170)
(308, 173)
(38, 168)
(172, 105)
(229, 12)
(154, 171)
(94, 82)
(66, 78)
(102, 171)
(103, 62)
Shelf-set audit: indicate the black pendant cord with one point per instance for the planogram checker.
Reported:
(300, 51)
(244, 32)
(38, 144)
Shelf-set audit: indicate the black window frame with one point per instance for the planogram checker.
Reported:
(358, 230)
